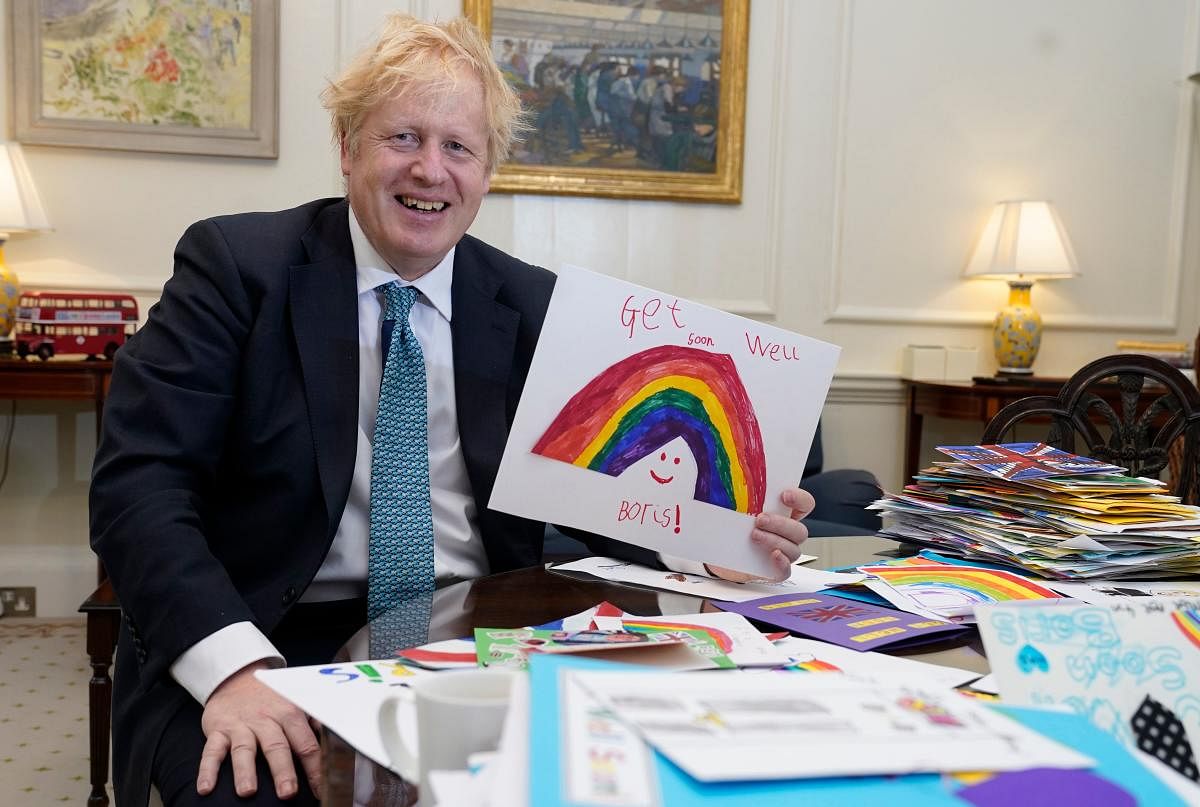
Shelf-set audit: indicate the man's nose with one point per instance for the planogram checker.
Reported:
(429, 166)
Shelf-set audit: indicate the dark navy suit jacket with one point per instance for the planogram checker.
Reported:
(229, 435)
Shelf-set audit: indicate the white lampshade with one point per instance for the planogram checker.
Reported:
(1023, 239)
(20, 208)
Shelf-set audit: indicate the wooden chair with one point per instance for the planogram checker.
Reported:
(103, 614)
(1125, 433)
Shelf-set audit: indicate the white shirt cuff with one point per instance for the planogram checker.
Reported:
(202, 667)
(683, 565)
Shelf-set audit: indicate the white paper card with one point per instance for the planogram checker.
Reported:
(746, 726)
(812, 655)
(741, 641)
(801, 580)
(661, 422)
(1132, 666)
(346, 697)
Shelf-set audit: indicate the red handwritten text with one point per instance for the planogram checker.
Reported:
(771, 350)
(635, 314)
(665, 516)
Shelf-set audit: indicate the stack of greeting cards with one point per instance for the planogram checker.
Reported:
(1045, 511)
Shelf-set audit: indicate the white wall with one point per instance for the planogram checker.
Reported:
(878, 136)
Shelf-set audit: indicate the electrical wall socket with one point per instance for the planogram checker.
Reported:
(18, 601)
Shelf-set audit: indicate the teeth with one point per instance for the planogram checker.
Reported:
(421, 204)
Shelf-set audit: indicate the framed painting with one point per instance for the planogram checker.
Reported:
(627, 98)
(178, 76)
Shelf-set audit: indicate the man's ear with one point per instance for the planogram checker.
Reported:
(346, 158)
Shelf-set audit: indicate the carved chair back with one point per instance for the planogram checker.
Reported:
(1126, 409)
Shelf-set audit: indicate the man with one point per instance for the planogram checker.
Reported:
(234, 496)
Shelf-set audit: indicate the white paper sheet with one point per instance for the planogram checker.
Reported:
(742, 642)
(754, 726)
(605, 763)
(1132, 666)
(510, 764)
(693, 420)
(802, 579)
(878, 668)
(1101, 592)
(346, 697)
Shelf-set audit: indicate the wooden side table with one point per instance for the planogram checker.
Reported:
(57, 379)
(977, 401)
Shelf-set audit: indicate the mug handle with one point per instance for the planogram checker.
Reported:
(400, 757)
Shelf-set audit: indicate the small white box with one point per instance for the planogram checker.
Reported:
(924, 363)
(962, 363)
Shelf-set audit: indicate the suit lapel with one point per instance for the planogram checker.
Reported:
(484, 335)
(324, 305)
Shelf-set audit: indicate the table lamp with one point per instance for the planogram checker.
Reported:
(20, 211)
(1022, 242)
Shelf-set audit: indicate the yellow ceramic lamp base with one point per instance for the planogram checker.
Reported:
(9, 295)
(1017, 332)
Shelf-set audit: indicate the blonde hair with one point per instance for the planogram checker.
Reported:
(414, 57)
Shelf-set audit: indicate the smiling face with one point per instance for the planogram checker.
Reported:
(419, 173)
(664, 473)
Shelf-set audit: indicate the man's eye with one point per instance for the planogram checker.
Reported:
(454, 145)
(405, 137)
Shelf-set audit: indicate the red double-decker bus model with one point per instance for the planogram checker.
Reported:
(50, 323)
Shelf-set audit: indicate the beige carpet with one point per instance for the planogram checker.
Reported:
(43, 712)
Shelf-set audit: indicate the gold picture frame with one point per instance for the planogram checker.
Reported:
(676, 142)
(134, 75)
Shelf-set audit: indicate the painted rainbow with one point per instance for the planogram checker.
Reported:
(981, 585)
(722, 639)
(645, 401)
(1188, 621)
(813, 665)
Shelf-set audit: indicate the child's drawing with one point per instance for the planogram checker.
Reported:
(640, 404)
(661, 422)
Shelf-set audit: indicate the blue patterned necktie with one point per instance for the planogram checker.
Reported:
(400, 557)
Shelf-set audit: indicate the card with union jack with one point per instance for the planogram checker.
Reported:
(1021, 461)
(859, 625)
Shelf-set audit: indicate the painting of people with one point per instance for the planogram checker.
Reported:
(623, 87)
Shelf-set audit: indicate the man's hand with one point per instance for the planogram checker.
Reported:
(780, 535)
(243, 715)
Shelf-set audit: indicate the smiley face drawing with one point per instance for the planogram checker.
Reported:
(664, 479)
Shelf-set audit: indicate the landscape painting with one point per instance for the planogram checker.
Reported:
(157, 75)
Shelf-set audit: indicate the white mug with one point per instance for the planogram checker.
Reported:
(458, 713)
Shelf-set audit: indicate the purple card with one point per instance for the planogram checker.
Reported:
(848, 623)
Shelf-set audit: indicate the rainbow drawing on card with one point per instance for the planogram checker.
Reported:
(813, 664)
(962, 583)
(720, 638)
(1188, 623)
(645, 401)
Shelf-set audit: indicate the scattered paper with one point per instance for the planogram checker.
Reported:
(813, 656)
(857, 625)
(1103, 592)
(346, 697)
(669, 648)
(986, 684)
(444, 655)
(951, 592)
(1132, 667)
(743, 643)
(739, 726)
(802, 579)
